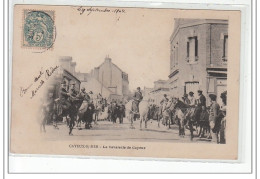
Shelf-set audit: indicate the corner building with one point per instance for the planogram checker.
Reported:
(199, 55)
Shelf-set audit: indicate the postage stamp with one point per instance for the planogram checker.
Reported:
(38, 29)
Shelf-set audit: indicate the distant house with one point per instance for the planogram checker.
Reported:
(199, 55)
(109, 80)
(160, 88)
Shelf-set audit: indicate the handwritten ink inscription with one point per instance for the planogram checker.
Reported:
(38, 81)
(89, 10)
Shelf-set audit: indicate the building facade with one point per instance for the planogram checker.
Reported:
(157, 93)
(199, 54)
(111, 79)
(67, 72)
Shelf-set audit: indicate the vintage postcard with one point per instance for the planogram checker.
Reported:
(129, 82)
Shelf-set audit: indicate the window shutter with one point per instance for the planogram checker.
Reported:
(188, 49)
(196, 46)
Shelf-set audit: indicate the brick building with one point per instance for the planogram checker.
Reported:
(199, 54)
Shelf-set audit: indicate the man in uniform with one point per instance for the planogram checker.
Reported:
(191, 99)
(137, 99)
(165, 99)
(213, 114)
(202, 99)
(73, 112)
(185, 99)
(201, 104)
(83, 95)
(73, 92)
(63, 96)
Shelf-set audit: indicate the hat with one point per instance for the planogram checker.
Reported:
(138, 88)
(165, 95)
(223, 95)
(199, 91)
(213, 97)
(83, 88)
(90, 92)
(191, 93)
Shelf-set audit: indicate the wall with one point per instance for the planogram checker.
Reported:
(210, 36)
(217, 43)
(190, 71)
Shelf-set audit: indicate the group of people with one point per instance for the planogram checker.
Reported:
(116, 110)
(211, 119)
(74, 105)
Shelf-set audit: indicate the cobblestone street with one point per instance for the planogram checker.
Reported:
(106, 130)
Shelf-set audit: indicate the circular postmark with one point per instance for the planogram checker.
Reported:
(38, 29)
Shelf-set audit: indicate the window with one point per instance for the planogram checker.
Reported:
(192, 49)
(176, 55)
(225, 48)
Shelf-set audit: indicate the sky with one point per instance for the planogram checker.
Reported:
(137, 41)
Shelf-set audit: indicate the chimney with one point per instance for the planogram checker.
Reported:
(107, 59)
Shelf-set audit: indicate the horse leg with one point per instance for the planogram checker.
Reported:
(145, 122)
(180, 129)
(71, 125)
(141, 120)
(191, 130)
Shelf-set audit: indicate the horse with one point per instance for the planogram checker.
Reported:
(154, 113)
(129, 113)
(70, 112)
(83, 108)
(184, 113)
(167, 111)
(143, 110)
(88, 115)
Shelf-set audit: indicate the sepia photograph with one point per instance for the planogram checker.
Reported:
(133, 82)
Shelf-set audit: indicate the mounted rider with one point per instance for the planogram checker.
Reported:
(137, 99)
(63, 97)
(164, 102)
(191, 99)
(73, 92)
(202, 99)
(83, 95)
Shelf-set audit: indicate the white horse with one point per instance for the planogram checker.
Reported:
(143, 110)
(129, 113)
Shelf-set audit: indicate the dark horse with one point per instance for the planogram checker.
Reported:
(70, 112)
(184, 114)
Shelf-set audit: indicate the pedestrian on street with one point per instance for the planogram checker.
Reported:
(213, 113)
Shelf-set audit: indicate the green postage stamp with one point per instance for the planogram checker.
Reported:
(38, 29)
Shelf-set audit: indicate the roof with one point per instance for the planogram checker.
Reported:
(112, 64)
(160, 81)
(75, 78)
(182, 23)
